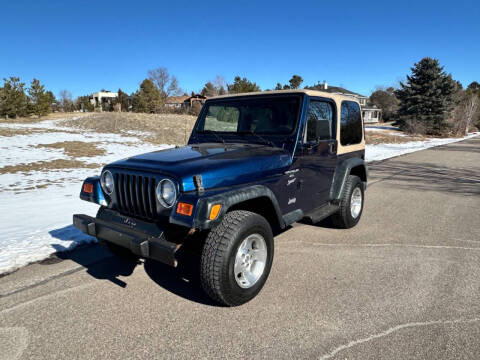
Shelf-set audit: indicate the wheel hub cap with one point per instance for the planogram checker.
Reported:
(250, 260)
(356, 202)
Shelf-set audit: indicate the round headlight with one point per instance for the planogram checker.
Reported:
(106, 180)
(166, 193)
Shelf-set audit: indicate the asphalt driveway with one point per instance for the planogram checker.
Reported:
(405, 283)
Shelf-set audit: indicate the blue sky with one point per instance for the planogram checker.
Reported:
(85, 46)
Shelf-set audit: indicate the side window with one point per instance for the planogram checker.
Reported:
(319, 121)
(350, 123)
(221, 118)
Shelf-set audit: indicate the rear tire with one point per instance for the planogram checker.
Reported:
(351, 204)
(237, 258)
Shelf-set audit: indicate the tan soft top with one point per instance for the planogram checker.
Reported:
(337, 97)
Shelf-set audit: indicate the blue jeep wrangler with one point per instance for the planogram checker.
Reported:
(254, 164)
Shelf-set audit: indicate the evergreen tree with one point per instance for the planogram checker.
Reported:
(52, 102)
(83, 104)
(148, 98)
(14, 101)
(209, 90)
(295, 81)
(242, 86)
(39, 102)
(427, 97)
(123, 100)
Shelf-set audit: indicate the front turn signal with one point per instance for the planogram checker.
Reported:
(185, 209)
(88, 188)
(215, 211)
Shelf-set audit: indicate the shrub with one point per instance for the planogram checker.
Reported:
(195, 108)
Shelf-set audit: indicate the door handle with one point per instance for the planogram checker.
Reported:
(332, 148)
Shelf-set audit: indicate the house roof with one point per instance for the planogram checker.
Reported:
(176, 99)
(334, 90)
(195, 97)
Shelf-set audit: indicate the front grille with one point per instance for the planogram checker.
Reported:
(136, 195)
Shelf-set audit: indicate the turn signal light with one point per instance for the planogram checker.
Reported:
(185, 209)
(214, 211)
(88, 188)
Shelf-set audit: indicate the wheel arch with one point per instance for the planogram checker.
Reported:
(352, 166)
(258, 199)
(262, 206)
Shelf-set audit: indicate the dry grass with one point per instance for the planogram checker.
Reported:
(28, 131)
(58, 164)
(15, 132)
(34, 118)
(378, 137)
(76, 148)
(162, 128)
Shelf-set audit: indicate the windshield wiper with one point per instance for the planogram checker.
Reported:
(214, 133)
(265, 141)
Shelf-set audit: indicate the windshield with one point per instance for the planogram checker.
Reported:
(268, 116)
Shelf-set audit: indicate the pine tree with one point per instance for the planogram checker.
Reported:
(295, 81)
(83, 103)
(242, 86)
(52, 102)
(209, 90)
(148, 98)
(39, 102)
(14, 101)
(427, 97)
(123, 100)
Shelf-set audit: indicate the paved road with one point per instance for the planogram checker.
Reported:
(405, 283)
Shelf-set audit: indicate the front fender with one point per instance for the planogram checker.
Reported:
(203, 205)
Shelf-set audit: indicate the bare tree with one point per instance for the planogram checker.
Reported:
(220, 84)
(466, 112)
(65, 98)
(167, 84)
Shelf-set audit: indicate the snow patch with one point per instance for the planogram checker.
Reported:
(37, 222)
(384, 151)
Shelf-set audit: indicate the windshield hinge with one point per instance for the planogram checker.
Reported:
(197, 180)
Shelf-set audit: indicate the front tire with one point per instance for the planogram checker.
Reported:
(237, 258)
(351, 204)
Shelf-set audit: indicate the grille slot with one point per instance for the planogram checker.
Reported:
(136, 195)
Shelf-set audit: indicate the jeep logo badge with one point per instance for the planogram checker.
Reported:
(129, 222)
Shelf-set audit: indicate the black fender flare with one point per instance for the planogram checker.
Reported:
(227, 199)
(342, 171)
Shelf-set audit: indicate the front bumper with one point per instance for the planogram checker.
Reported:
(129, 233)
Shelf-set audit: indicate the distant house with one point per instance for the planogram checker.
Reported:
(176, 102)
(102, 97)
(370, 114)
(188, 102)
(184, 101)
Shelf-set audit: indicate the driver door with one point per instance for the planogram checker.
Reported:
(317, 155)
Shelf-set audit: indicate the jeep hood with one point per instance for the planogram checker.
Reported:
(218, 165)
